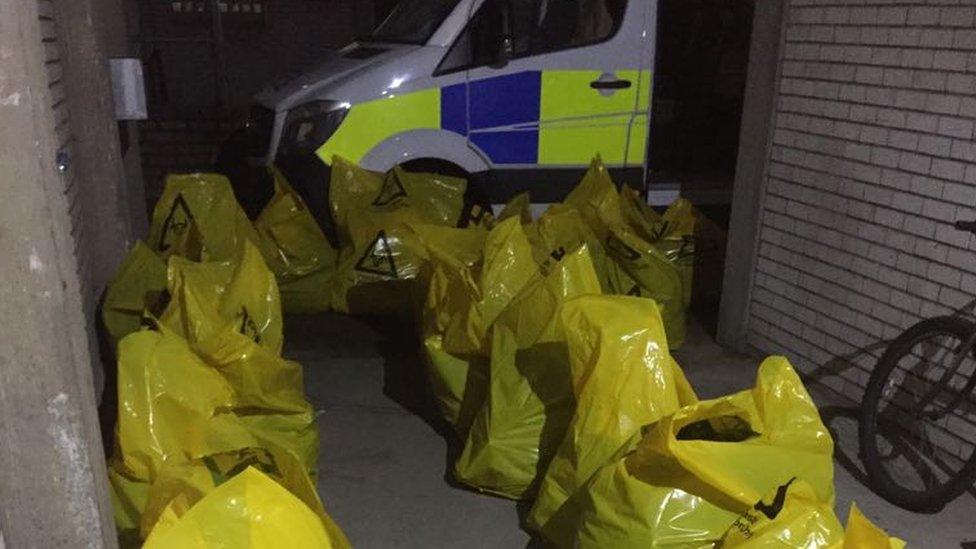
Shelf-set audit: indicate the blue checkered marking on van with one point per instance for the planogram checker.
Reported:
(508, 100)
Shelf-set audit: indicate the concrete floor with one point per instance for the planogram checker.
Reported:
(383, 458)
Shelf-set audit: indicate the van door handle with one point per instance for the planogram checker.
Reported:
(610, 84)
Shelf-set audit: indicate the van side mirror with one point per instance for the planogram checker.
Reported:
(506, 50)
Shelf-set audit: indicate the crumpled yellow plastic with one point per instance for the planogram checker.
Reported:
(624, 378)
(696, 247)
(861, 533)
(519, 206)
(197, 217)
(249, 511)
(179, 403)
(296, 250)
(563, 228)
(695, 472)
(530, 398)
(597, 198)
(206, 297)
(464, 298)
(138, 285)
(789, 516)
(376, 217)
(793, 516)
(640, 217)
(652, 275)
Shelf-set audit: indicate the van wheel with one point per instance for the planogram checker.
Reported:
(476, 202)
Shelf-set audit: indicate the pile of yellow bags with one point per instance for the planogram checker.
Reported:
(547, 345)
(216, 445)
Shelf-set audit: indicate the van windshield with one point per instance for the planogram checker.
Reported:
(414, 21)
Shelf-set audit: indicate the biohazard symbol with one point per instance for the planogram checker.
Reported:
(392, 190)
(621, 249)
(378, 259)
(177, 222)
(773, 510)
(249, 328)
(635, 291)
(559, 253)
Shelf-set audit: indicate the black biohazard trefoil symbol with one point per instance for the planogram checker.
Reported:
(558, 254)
(392, 190)
(178, 222)
(249, 328)
(378, 258)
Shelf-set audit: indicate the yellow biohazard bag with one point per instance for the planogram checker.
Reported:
(597, 198)
(464, 298)
(356, 192)
(139, 284)
(178, 486)
(641, 218)
(561, 229)
(296, 250)
(650, 274)
(519, 206)
(696, 247)
(249, 511)
(198, 217)
(793, 516)
(530, 397)
(862, 534)
(695, 472)
(789, 516)
(206, 297)
(624, 378)
(178, 404)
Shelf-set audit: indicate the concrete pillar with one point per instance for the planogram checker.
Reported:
(750, 177)
(98, 167)
(53, 483)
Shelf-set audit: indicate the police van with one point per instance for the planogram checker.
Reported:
(518, 94)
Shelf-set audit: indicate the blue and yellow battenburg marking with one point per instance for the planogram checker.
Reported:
(531, 117)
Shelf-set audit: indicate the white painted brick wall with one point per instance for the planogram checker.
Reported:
(872, 162)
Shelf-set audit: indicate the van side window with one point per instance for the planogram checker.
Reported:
(535, 27)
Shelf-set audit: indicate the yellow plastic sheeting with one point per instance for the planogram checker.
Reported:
(649, 274)
(176, 405)
(624, 378)
(296, 250)
(696, 247)
(464, 298)
(695, 472)
(138, 285)
(248, 511)
(207, 297)
(530, 398)
(198, 217)
(596, 197)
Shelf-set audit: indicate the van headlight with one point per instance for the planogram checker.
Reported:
(308, 126)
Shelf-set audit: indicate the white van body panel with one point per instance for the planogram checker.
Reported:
(416, 144)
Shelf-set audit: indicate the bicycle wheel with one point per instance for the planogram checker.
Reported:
(918, 417)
